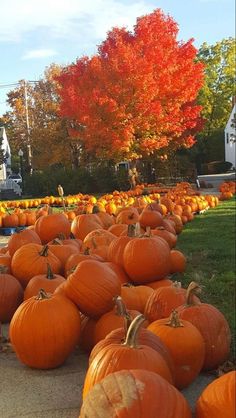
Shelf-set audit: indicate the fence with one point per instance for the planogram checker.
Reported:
(10, 185)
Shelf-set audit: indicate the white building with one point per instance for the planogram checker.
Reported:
(230, 138)
(5, 168)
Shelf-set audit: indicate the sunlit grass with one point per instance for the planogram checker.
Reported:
(209, 245)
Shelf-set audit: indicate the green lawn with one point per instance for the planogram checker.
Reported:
(209, 245)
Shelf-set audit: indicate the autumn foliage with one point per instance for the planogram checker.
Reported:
(138, 94)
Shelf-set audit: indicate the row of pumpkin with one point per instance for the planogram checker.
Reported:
(173, 335)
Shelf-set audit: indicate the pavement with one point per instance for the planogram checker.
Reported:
(32, 393)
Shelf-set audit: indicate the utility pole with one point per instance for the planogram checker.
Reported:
(28, 144)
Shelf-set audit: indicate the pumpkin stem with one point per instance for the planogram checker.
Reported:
(3, 269)
(95, 209)
(61, 236)
(133, 331)
(122, 311)
(86, 251)
(42, 295)
(131, 230)
(56, 241)
(137, 231)
(174, 320)
(50, 274)
(192, 290)
(177, 285)
(44, 252)
(148, 232)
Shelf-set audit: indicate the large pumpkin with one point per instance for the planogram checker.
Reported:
(129, 355)
(50, 226)
(147, 259)
(85, 223)
(134, 394)
(92, 287)
(212, 325)
(44, 330)
(33, 259)
(21, 238)
(218, 399)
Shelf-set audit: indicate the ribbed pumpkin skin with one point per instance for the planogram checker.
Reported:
(42, 282)
(11, 296)
(44, 332)
(145, 337)
(218, 398)
(92, 286)
(21, 238)
(186, 347)
(162, 301)
(50, 226)
(146, 259)
(134, 394)
(215, 331)
(115, 357)
(27, 263)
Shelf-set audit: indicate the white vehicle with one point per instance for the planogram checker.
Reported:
(15, 177)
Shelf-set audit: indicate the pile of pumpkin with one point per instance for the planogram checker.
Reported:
(109, 290)
(227, 189)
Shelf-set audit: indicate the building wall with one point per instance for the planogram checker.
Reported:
(230, 145)
(5, 168)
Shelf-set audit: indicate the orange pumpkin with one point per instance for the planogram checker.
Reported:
(140, 393)
(48, 227)
(44, 330)
(11, 296)
(185, 344)
(49, 282)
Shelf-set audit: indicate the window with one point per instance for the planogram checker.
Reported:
(227, 138)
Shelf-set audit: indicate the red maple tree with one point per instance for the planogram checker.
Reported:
(138, 94)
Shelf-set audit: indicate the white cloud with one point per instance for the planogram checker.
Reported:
(39, 53)
(68, 19)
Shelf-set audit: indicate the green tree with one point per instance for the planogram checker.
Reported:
(216, 98)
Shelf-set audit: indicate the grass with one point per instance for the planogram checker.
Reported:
(209, 245)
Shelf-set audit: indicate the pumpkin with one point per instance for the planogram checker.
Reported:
(113, 319)
(20, 238)
(170, 238)
(146, 259)
(44, 330)
(117, 246)
(49, 226)
(11, 295)
(87, 334)
(85, 223)
(5, 261)
(118, 229)
(121, 274)
(49, 282)
(75, 259)
(10, 220)
(212, 325)
(134, 394)
(151, 218)
(32, 259)
(160, 283)
(127, 216)
(92, 287)
(129, 355)
(163, 300)
(218, 398)
(185, 344)
(63, 251)
(177, 262)
(135, 297)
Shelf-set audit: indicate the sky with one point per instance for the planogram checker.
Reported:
(35, 34)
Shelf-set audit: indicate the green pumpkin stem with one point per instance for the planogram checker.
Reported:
(131, 230)
(133, 331)
(42, 295)
(174, 320)
(192, 290)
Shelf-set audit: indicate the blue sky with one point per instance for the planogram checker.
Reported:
(34, 34)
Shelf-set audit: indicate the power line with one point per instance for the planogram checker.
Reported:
(17, 83)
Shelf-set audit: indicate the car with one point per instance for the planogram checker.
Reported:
(15, 177)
